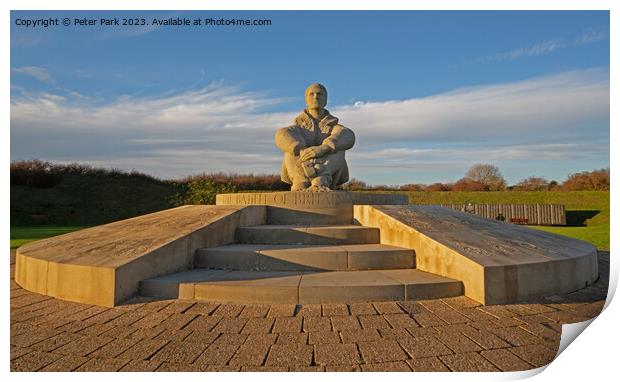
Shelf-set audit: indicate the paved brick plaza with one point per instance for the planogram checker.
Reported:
(455, 334)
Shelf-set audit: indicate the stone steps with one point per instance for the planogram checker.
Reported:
(294, 257)
(301, 287)
(313, 235)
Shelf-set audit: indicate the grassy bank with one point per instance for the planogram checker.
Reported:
(23, 235)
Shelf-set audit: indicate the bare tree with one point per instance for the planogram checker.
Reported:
(488, 175)
(532, 184)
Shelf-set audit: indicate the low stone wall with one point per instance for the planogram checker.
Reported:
(498, 263)
(104, 265)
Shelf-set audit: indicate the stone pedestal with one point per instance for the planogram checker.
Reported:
(307, 208)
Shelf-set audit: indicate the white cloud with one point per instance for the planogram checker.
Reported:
(561, 117)
(41, 74)
(589, 36)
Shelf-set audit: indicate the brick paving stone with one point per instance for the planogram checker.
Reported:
(33, 361)
(428, 319)
(486, 339)
(287, 324)
(230, 339)
(424, 347)
(287, 355)
(177, 321)
(435, 306)
(412, 307)
(498, 311)
(135, 303)
(204, 323)
(458, 343)
(114, 348)
(565, 316)
(17, 351)
(173, 335)
(505, 360)
(87, 313)
(96, 329)
(343, 368)
(309, 310)
(180, 352)
(178, 307)
(357, 335)
(341, 323)
(144, 349)
(254, 311)
(538, 308)
(520, 309)
(362, 308)
(57, 341)
(254, 351)
(129, 318)
(216, 355)
(454, 328)
(373, 322)
(230, 325)
(211, 368)
(429, 364)
(401, 321)
(423, 332)
(156, 305)
(83, 346)
(171, 366)
(306, 369)
(66, 363)
(541, 331)
(147, 333)
(314, 324)
(21, 328)
(75, 326)
(387, 307)
(534, 319)
(451, 316)
(228, 310)
(508, 321)
(386, 367)
(292, 338)
(258, 325)
(282, 310)
(141, 365)
(28, 339)
(323, 338)
(151, 320)
(460, 302)
(475, 314)
(336, 354)
(537, 355)
(268, 369)
(202, 336)
(105, 316)
(382, 351)
(394, 333)
(28, 299)
(203, 308)
(467, 362)
(515, 336)
(329, 310)
(553, 326)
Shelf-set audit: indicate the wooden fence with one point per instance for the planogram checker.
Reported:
(530, 214)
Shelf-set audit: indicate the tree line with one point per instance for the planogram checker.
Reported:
(479, 177)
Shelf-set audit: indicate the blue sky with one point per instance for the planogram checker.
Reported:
(427, 93)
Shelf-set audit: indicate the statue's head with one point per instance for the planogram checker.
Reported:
(316, 96)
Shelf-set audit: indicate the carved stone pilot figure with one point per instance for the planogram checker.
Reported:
(314, 146)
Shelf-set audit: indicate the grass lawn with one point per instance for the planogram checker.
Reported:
(23, 235)
(597, 235)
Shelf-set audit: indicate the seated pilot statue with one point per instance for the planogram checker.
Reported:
(314, 146)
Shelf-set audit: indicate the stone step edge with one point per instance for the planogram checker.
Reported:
(283, 257)
(236, 292)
